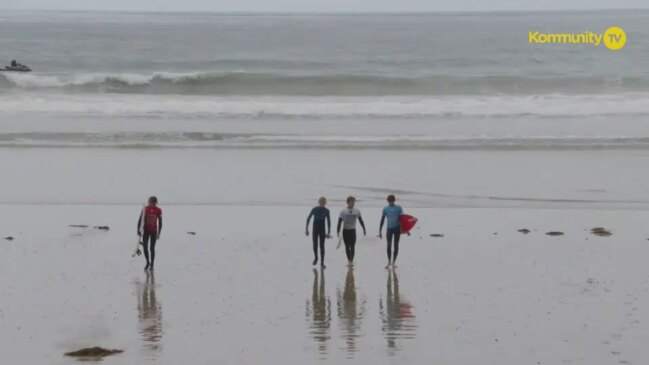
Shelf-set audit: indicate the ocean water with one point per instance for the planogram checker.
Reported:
(428, 81)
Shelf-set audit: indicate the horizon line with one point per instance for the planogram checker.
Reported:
(333, 12)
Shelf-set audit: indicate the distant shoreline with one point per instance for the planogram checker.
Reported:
(338, 13)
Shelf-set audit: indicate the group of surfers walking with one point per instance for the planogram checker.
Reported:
(149, 227)
(347, 220)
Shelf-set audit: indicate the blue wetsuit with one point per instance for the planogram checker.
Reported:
(320, 231)
(393, 214)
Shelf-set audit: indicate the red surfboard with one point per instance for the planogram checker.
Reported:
(407, 223)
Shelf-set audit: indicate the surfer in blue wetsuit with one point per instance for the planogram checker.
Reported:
(320, 214)
(393, 213)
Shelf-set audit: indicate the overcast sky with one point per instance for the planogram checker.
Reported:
(321, 5)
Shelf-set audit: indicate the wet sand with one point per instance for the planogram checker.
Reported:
(242, 290)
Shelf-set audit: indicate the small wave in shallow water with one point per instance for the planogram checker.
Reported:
(211, 107)
(289, 141)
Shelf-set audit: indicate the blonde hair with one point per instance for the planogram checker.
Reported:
(322, 201)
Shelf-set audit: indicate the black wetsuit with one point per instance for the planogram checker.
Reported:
(320, 231)
(349, 217)
(349, 237)
(149, 240)
(393, 234)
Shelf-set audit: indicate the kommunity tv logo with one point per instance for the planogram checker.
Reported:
(614, 38)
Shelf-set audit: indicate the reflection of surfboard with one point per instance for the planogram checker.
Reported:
(407, 222)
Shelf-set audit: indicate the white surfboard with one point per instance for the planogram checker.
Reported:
(139, 238)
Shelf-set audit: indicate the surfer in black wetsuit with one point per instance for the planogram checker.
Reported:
(320, 214)
(347, 221)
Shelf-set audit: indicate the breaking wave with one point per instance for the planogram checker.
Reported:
(243, 83)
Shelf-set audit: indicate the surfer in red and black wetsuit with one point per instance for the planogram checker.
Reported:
(151, 218)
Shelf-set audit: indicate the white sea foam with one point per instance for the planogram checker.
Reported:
(169, 106)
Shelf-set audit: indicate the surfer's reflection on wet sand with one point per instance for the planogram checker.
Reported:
(318, 312)
(149, 314)
(398, 320)
(350, 314)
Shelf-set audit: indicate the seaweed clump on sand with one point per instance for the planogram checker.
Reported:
(9, 238)
(555, 233)
(93, 352)
(524, 231)
(600, 231)
(103, 228)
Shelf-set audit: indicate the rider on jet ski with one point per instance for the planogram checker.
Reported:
(17, 66)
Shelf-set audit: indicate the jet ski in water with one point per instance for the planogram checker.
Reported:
(21, 68)
(16, 67)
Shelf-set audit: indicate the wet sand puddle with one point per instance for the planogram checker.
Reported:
(397, 319)
(350, 314)
(149, 316)
(397, 315)
(318, 313)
